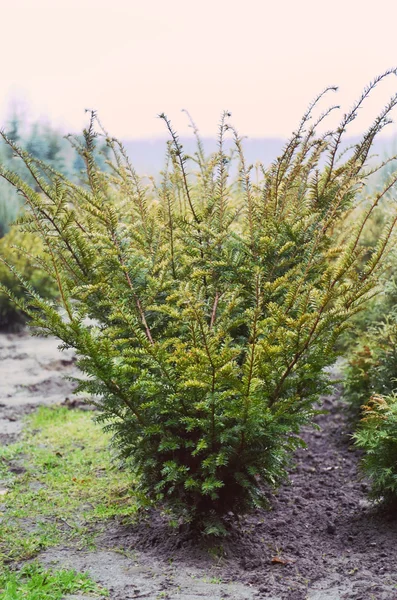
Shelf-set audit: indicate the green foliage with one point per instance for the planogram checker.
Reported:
(10, 203)
(385, 300)
(377, 435)
(372, 367)
(44, 143)
(33, 582)
(372, 348)
(204, 311)
(9, 207)
(25, 253)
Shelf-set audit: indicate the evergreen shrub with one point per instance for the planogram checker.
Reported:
(372, 365)
(202, 310)
(364, 326)
(25, 252)
(377, 435)
(9, 207)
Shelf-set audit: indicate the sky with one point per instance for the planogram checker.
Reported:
(262, 60)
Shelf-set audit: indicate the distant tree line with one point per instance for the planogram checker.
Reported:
(45, 143)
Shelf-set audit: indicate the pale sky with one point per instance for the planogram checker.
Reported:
(130, 60)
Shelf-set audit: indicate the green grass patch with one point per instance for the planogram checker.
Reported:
(69, 487)
(33, 582)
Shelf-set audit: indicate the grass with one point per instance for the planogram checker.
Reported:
(68, 485)
(33, 582)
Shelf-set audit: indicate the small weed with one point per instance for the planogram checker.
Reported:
(216, 553)
(216, 580)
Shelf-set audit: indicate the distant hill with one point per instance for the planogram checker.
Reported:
(147, 156)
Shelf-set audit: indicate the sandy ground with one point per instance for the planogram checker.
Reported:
(32, 372)
(332, 543)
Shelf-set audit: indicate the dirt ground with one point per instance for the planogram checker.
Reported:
(32, 372)
(322, 540)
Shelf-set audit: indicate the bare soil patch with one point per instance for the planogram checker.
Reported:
(32, 373)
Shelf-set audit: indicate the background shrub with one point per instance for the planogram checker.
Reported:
(9, 207)
(371, 345)
(43, 142)
(372, 366)
(385, 299)
(205, 310)
(377, 435)
(21, 250)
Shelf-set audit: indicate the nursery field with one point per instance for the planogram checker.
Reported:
(64, 507)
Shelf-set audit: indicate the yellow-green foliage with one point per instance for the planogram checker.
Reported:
(372, 365)
(204, 310)
(377, 435)
(372, 349)
(383, 304)
(22, 251)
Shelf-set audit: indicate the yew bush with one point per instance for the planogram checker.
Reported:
(203, 310)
